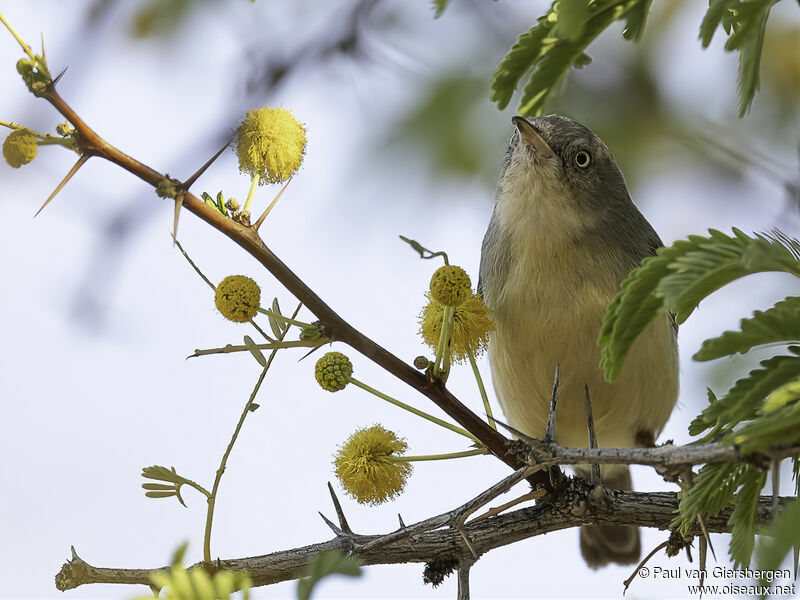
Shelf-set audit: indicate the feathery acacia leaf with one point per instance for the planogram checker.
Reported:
(779, 537)
(743, 517)
(682, 275)
(516, 63)
(712, 491)
(746, 397)
(557, 43)
(439, 7)
(781, 323)
(744, 21)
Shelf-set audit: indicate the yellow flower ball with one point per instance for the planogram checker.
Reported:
(450, 285)
(362, 465)
(333, 371)
(20, 147)
(270, 143)
(471, 326)
(238, 298)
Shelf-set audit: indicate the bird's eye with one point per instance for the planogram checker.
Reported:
(583, 159)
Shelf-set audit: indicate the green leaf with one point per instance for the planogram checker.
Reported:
(698, 425)
(781, 323)
(516, 63)
(635, 20)
(557, 43)
(748, 39)
(439, 7)
(780, 426)
(779, 537)
(255, 351)
(743, 517)
(682, 275)
(745, 398)
(717, 9)
(712, 491)
(572, 17)
(325, 564)
(744, 21)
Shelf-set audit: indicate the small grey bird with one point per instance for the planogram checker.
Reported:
(563, 236)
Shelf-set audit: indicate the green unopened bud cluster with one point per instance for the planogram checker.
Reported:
(238, 298)
(333, 371)
(20, 147)
(450, 285)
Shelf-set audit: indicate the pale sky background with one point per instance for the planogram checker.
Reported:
(93, 376)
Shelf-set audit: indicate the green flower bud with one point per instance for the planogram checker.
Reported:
(238, 298)
(333, 371)
(20, 147)
(450, 285)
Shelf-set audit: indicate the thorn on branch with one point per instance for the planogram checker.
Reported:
(81, 160)
(550, 433)
(595, 469)
(338, 532)
(339, 512)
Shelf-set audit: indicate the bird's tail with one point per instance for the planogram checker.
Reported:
(604, 544)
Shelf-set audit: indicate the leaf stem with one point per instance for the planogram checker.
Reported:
(251, 194)
(486, 406)
(416, 411)
(25, 47)
(423, 457)
(223, 463)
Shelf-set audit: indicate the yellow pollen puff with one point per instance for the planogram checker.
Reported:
(20, 147)
(238, 298)
(450, 285)
(270, 143)
(471, 326)
(364, 467)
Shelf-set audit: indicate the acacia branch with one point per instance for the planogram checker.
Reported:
(543, 453)
(570, 507)
(335, 326)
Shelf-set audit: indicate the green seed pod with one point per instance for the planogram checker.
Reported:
(450, 285)
(333, 371)
(238, 298)
(20, 147)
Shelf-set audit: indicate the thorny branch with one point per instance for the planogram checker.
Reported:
(335, 327)
(437, 538)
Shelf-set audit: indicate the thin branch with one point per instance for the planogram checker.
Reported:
(336, 327)
(463, 582)
(564, 510)
(664, 456)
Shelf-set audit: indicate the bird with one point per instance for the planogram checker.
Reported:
(563, 236)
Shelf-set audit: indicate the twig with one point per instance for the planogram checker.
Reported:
(628, 581)
(463, 581)
(595, 469)
(338, 328)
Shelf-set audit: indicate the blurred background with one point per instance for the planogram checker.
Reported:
(100, 311)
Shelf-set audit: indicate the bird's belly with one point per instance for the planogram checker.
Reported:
(536, 331)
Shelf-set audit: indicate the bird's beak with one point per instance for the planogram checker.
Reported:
(531, 137)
